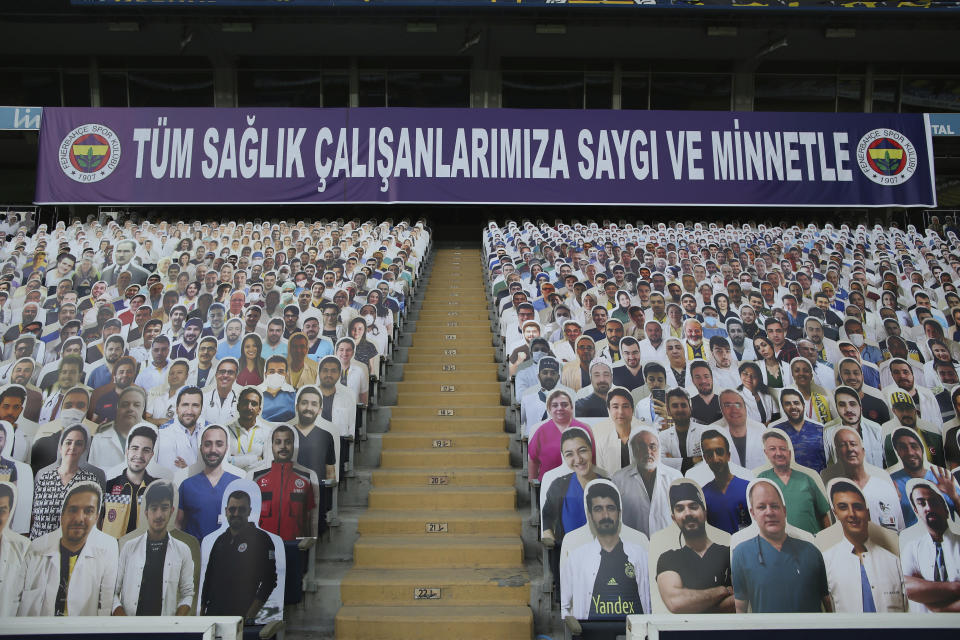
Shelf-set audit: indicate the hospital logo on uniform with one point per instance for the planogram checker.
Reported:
(89, 153)
(886, 157)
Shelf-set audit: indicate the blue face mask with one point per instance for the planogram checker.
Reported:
(538, 356)
(710, 321)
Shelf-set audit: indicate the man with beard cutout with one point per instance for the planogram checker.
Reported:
(931, 560)
(201, 495)
(607, 577)
(696, 577)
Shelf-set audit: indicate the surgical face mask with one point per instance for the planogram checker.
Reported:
(369, 319)
(72, 416)
(710, 321)
(857, 339)
(538, 356)
(274, 381)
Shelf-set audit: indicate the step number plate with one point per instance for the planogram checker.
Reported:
(450, 336)
(444, 412)
(437, 527)
(453, 313)
(447, 388)
(441, 444)
(449, 352)
(453, 324)
(426, 593)
(438, 480)
(449, 367)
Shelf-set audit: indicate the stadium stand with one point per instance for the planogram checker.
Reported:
(179, 422)
(713, 363)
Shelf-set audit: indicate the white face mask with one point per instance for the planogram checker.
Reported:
(857, 339)
(274, 381)
(369, 319)
(72, 416)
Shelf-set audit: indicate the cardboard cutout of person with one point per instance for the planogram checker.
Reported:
(159, 567)
(874, 482)
(14, 553)
(690, 559)
(73, 568)
(776, 567)
(19, 475)
(126, 482)
(930, 551)
(861, 557)
(202, 484)
(243, 567)
(53, 483)
(290, 492)
(604, 564)
(802, 488)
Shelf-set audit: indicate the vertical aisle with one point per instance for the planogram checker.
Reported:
(439, 553)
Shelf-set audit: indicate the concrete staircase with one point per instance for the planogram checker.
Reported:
(439, 553)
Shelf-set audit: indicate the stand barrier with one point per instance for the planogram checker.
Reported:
(792, 626)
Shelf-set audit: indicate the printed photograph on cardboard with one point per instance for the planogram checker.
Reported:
(159, 567)
(776, 567)
(690, 559)
(862, 558)
(604, 564)
(243, 567)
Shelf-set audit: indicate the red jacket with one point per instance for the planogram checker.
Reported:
(287, 501)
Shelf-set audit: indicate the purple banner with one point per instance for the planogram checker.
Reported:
(248, 156)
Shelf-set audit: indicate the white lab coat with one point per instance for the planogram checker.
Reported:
(670, 453)
(755, 455)
(90, 592)
(579, 572)
(217, 411)
(14, 558)
(345, 410)
(883, 572)
(175, 442)
(106, 450)
(178, 587)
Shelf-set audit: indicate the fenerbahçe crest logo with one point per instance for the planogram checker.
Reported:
(89, 153)
(886, 157)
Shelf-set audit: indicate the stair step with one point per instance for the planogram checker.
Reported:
(434, 623)
(428, 476)
(458, 587)
(443, 497)
(405, 387)
(467, 440)
(461, 398)
(445, 424)
(449, 551)
(444, 404)
(433, 522)
(445, 458)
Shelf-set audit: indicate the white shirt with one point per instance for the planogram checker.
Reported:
(247, 451)
(579, 572)
(883, 502)
(217, 410)
(106, 451)
(883, 572)
(90, 592)
(150, 376)
(871, 436)
(754, 447)
(178, 587)
(14, 558)
(174, 441)
(919, 554)
(670, 453)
